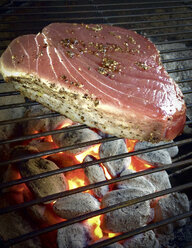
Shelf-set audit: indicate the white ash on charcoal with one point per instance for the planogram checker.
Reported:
(11, 113)
(140, 183)
(96, 174)
(75, 137)
(73, 236)
(43, 214)
(142, 240)
(44, 124)
(127, 218)
(13, 224)
(75, 205)
(42, 145)
(9, 131)
(160, 180)
(115, 245)
(169, 206)
(22, 151)
(44, 186)
(159, 157)
(113, 148)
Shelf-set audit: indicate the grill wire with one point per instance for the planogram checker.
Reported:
(164, 22)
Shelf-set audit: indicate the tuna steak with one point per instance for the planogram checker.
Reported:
(106, 77)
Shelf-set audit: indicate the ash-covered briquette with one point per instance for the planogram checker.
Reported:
(96, 174)
(8, 131)
(11, 113)
(143, 240)
(13, 224)
(73, 236)
(22, 150)
(75, 205)
(169, 206)
(75, 137)
(45, 186)
(160, 180)
(127, 218)
(115, 245)
(140, 183)
(43, 214)
(113, 148)
(44, 124)
(157, 157)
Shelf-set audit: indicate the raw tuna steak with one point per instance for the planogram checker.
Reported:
(106, 77)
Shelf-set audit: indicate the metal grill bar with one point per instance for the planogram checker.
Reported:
(101, 17)
(163, 27)
(42, 134)
(173, 41)
(10, 93)
(96, 213)
(116, 23)
(141, 230)
(99, 5)
(184, 81)
(19, 120)
(89, 10)
(136, 29)
(90, 186)
(18, 105)
(175, 50)
(176, 59)
(83, 165)
(169, 34)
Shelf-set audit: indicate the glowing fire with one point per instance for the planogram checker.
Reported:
(138, 164)
(95, 223)
(93, 150)
(107, 175)
(76, 179)
(66, 123)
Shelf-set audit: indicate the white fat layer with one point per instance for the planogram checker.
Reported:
(48, 54)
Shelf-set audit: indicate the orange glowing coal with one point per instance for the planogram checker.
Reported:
(137, 164)
(76, 179)
(107, 175)
(95, 223)
(66, 123)
(93, 150)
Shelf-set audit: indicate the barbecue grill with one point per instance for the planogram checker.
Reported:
(165, 23)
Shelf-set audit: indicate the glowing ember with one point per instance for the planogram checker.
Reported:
(130, 144)
(76, 179)
(107, 175)
(111, 235)
(93, 150)
(66, 123)
(138, 164)
(95, 223)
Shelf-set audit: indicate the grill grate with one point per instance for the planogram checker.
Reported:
(164, 22)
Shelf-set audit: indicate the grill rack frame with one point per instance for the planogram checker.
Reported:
(105, 19)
